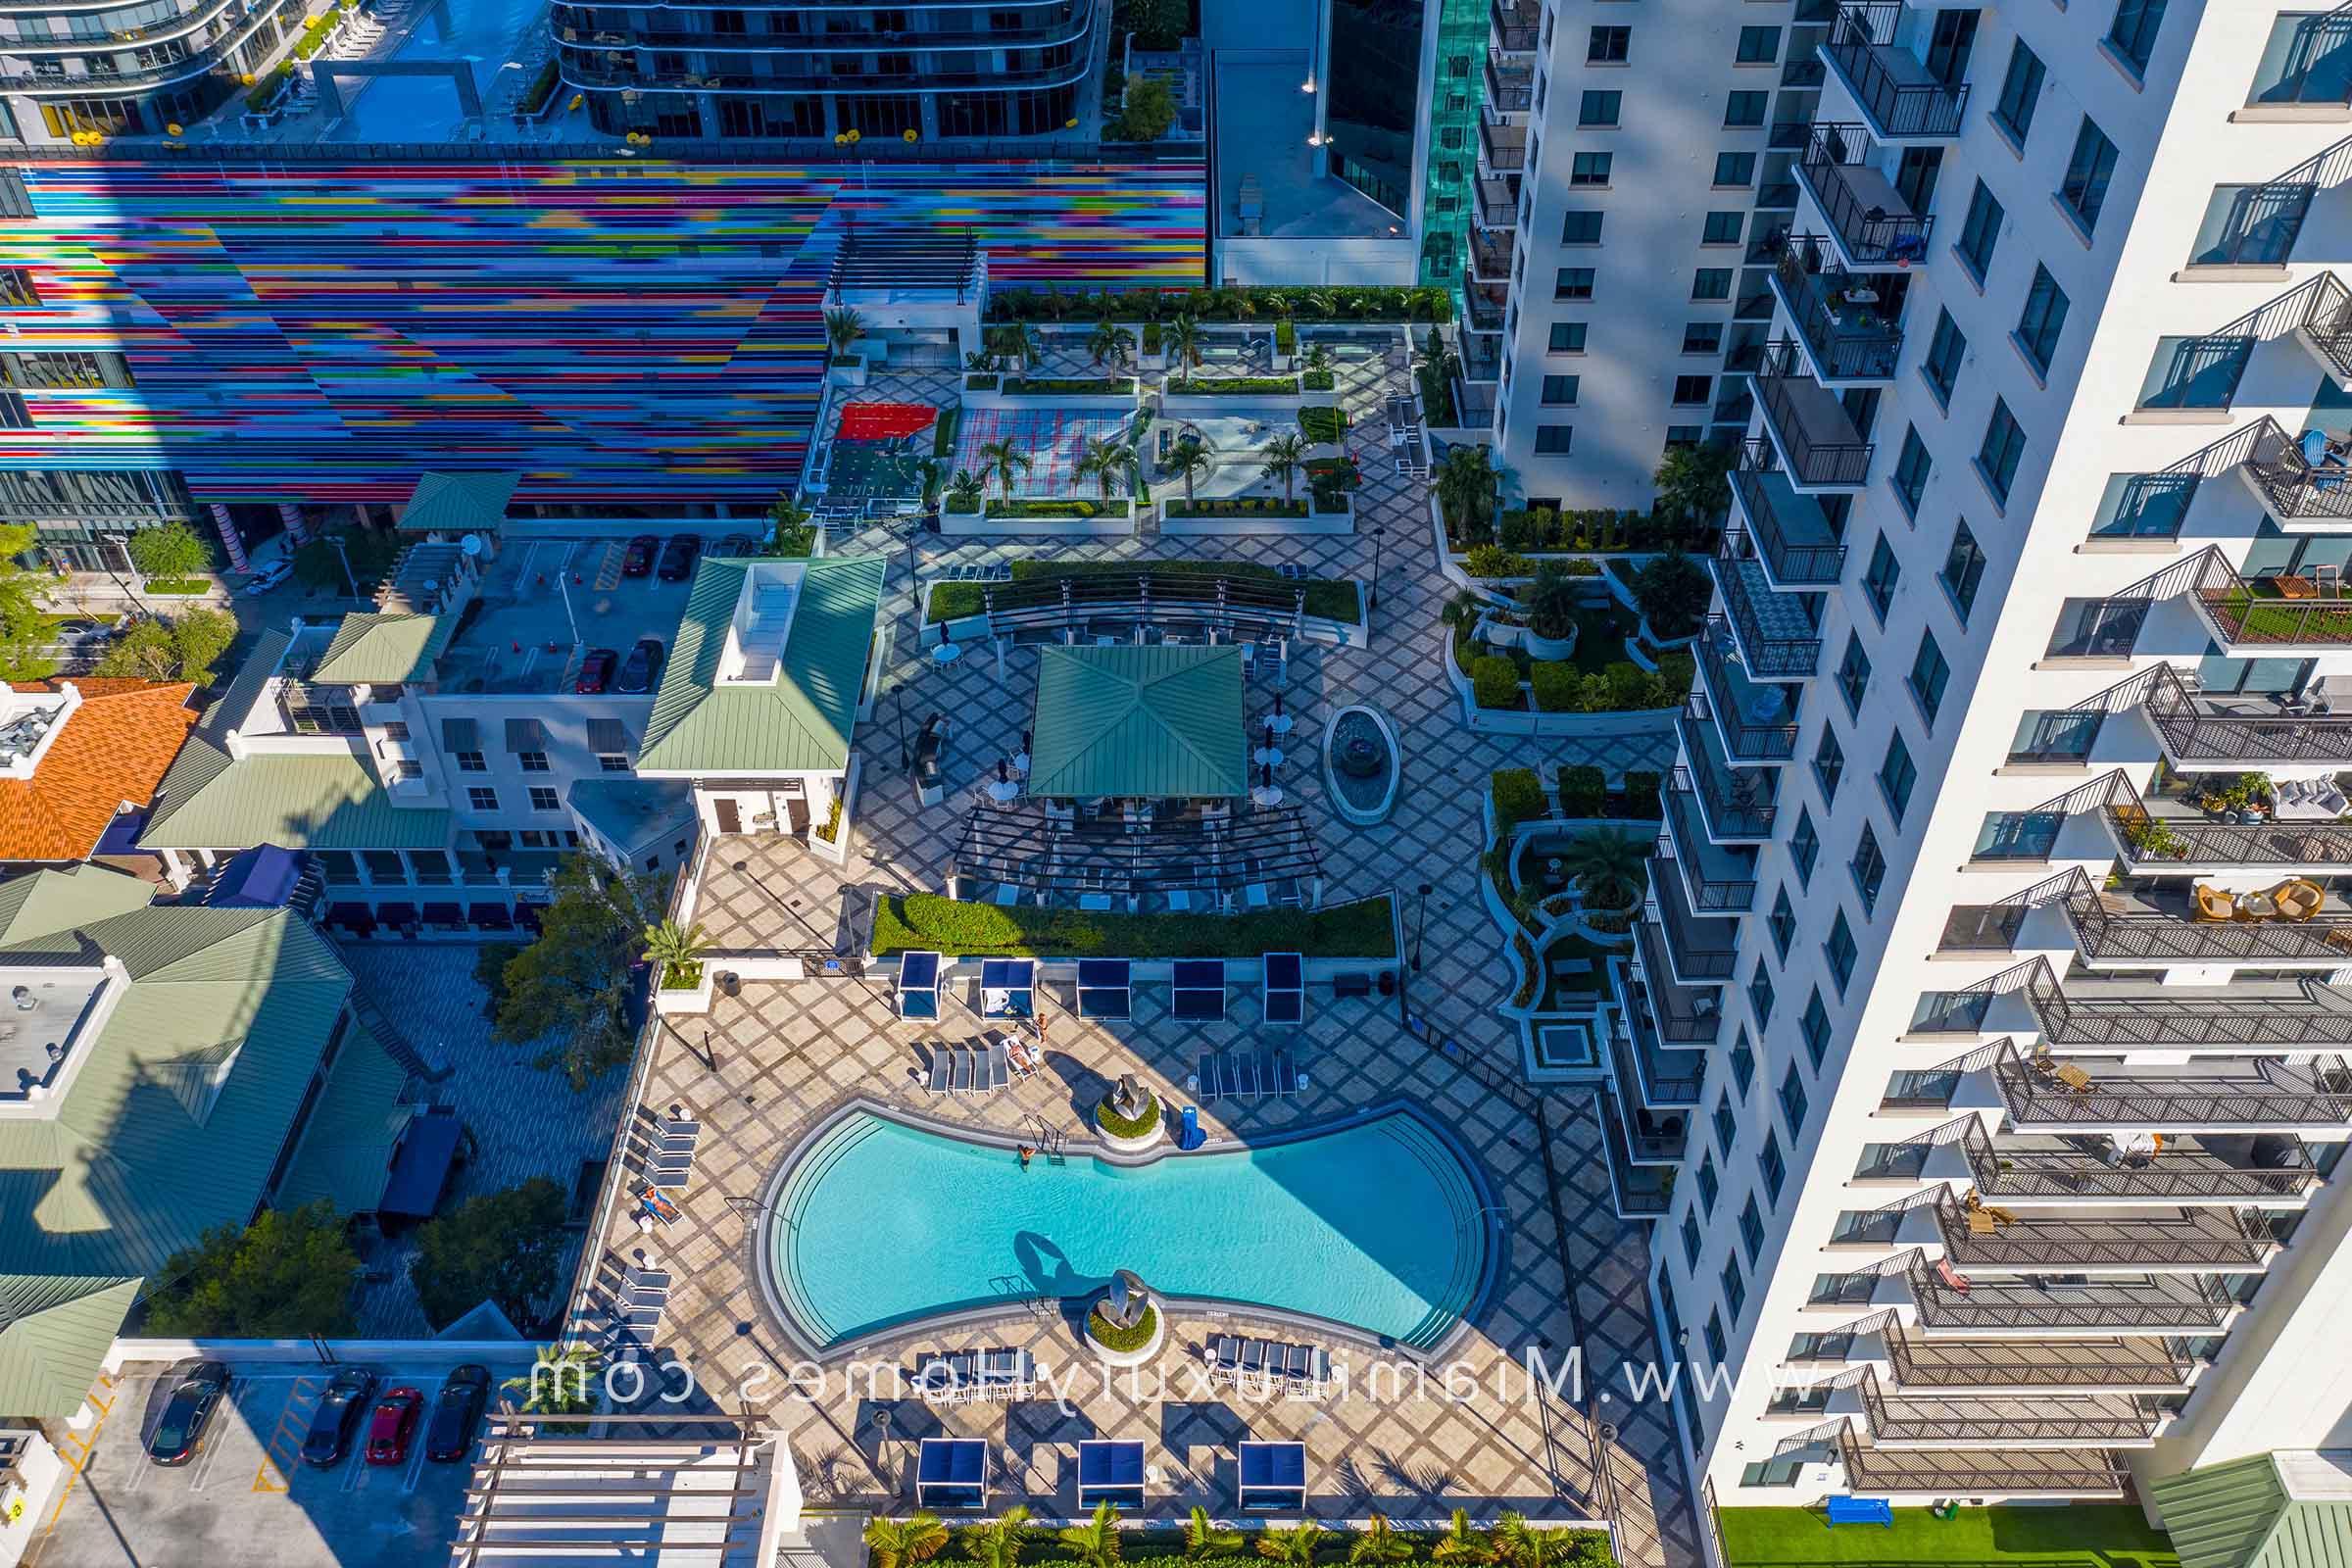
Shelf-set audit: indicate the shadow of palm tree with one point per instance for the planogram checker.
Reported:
(1431, 1482)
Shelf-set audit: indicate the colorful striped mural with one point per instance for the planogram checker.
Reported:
(326, 335)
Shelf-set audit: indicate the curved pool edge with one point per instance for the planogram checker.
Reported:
(757, 1248)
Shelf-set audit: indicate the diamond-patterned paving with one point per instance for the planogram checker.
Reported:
(766, 1066)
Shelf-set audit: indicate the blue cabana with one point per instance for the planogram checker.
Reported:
(1286, 988)
(1273, 1478)
(1106, 989)
(1008, 988)
(1196, 994)
(952, 1473)
(919, 985)
(1112, 1473)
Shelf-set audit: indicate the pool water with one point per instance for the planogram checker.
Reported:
(484, 33)
(1377, 1226)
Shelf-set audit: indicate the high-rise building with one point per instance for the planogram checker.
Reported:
(129, 69)
(922, 70)
(2003, 899)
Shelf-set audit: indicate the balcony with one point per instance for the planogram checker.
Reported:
(2192, 1304)
(1502, 148)
(1945, 1472)
(1496, 202)
(1715, 880)
(2242, 1095)
(1841, 319)
(1688, 1014)
(2166, 832)
(2095, 1170)
(1490, 255)
(1510, 84)
(1770, 630)
(2294, 488)
(1481, 359)
(1900, 99)
(1698, 949)
(1654, 1075)
(1995, 1366)
(2274, 616)
(1736, 805)
(1515, 26)
(1786, 528)
(1909, 1420)
(1484, 304)
(1818, 444)
(2227, 1240)
(1639, 1192)
(2159, 924)
(2206, 732)
(1870, 222)
(1755, 718)
(2147, 1014)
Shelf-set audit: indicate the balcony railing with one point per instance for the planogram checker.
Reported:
(1734, 807)
(2090, 1472)
(1943, 1421)
(1502, 148)
(2144, 1016)
(2184, 1238)
(1490, 253)
(1497, 202)
(2264, 1094)
(1902, 99)
(1874, 223)
(1484, 310)
(1679, 1013)
(1705, 877)
(1654, 1076)
(1732, 700)
(1697, 949)
(2291, 484)
(2227, 730)
(1514, 27)
(2191, 1303)
(1765, 642)
(1638, 1192)
(1510, 86)
(2106, 936)
(2138, 1363)
(1836, 314)
(1810, 424)
(1788, 530)
(2022, 1166)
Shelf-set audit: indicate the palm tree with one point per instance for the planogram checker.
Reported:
(790, 534)
(1184, 342)
(1004, 459)
(1110, 341)
(930, 477)
(1466, 485)
(1435, 358)
(1107, 460)
(1016, 340)
(1319, 302)
(1318, 357)
(1378, 1544)
(1463, 1543)
(1523, 1546)
(1293, 1548)
(561, 1381)
(897, 1543)
(1283, 457)
(676, 950)
(1203, 1539)
(1191, 458)
(843, 327)
(1610, 866)
(966, 490)
(998, 1544)
(1094, 1543)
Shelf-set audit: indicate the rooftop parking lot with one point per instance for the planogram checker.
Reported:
(544, 603)
(246, 1499)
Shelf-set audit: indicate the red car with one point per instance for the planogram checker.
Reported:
(392, 1425)
(638, 560)
(596, 671)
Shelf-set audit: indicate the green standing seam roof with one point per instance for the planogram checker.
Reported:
(209, 801)
(455, 503)
(2253, 1513)
(56, 1335)
(347, 1142)
(36, 907)
(372, 648)
(800, 723)
(1138, 721)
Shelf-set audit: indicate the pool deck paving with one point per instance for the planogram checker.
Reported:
(763, 1068)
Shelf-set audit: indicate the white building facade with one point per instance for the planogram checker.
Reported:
(2003, 886)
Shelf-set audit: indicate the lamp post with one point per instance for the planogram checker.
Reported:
(1379, 531)
(1421, 924)
(897, 690)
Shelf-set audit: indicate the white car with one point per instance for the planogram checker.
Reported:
(270, 576)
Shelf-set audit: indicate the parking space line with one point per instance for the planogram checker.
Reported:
(415, 1465)
(355, 1468)
(284, 1449)
(83, 1446)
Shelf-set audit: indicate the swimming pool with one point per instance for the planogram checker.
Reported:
(484, 33)
(1376, 1225)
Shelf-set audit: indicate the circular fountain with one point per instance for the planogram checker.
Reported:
(1362, 764)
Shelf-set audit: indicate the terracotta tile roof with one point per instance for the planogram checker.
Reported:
(114, 748)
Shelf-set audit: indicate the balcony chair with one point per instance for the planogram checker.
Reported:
(2296, 899)
(2212, 904)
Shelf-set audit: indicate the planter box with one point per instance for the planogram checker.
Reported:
(1527, 721)
(849, 369)
(998, 398)
(1314, 523)
(1172, 402)
(1549, 647)
(673, 1000)
(1143, 1354)
(1117, 523)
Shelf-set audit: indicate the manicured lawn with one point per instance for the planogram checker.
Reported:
(2077, 1535)
(2263, 616)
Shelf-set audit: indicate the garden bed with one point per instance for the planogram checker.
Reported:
(1233, 507)
(175, 587)
(1324, 424)
(1327, 598)
(930, 922)
(1227, 386)
(1069, 516)
(2081, 1535)
(1066, 387)
(1385, 303)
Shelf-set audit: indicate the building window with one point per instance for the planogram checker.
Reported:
(1735, 1288)
(1794, 1104)
(1963, 570)
(1853, 675)
(1776, 1169)
(531, 762)
(1929, 674)
(1744, 109)
(1693, 388)
(610, 763)
(2044, 318)
(1708, 1185)
(1980, 233)
(1829, 766)
(1690, 1239)
(1684, 435)
(2134, 34)
(2004, 445)
(403, 768)
(1716, 1344)
(1896, 776)
(1878, 582)
(2089, 172)
(482, 799)
(1598, 108)
(1572, 283)
(1743, 1062)
(396, 730)
(1841, 948)
(1711, 284)
(1947, 349)
(1554, 440)
(1814, 1024)
(1567, 337)
(2020, 90)
(1590, 169)
(1559, 391)
(1734, 169)
(1759, 997)
(1783, 924)
(1702, 337)
(544, 799)
(1804, 847)
(1580, 228)
(1722, 228)
(1726, 1124)
(1911, 467)
(1608, 46)
(472, 762)
(1758, 46)
(1870, 870)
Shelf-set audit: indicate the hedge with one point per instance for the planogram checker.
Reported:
(1235, 506)
(1518, 797)
(1641, 797)
(1494, 681)
(166, 587)
(1118, 1126)
(1602, 529)
(1161, 1548)
(1330, 599)
(541, 90)
(1112, 1338)
(1285, 338)
(1555, 683)
(1043, 506)
(1082, 386)
(1585, 790)
(1191, 387)
(1320, 381)
(1338, 303)
(980, 382)
(1487, 560)
(1323, 425)
(930, 922)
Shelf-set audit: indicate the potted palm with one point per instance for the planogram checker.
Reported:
(682, 982)
(1548, 606)
(842, 328)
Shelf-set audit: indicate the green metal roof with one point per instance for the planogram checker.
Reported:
(2273, 1511)
(370, 647)
(347, 1142)
(209, 801)
(455, 503)
(799, 724)
(56, 902)
(53, 1335)
(1141, 722)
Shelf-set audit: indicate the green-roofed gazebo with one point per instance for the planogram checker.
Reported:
(458, 503)
(2287, 1509)
(374, 649)
(1138, 723)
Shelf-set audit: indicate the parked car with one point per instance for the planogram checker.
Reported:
(596, 671)
(638, 559)
(642, 667)
(180, 1432)
(737, 544)
(392, 1425)
(679, 556)
(449, 1436)
(338, 1412)
(270, 575)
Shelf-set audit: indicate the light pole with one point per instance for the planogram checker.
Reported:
(1421, 924)
(1378, 533)
(897, 690)
(914, 595)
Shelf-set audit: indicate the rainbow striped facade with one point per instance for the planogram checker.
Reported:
(323, 334)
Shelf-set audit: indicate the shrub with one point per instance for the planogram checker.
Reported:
(1518, 797)
(1194, 386)
(1592, 693)
(1633, 689)
(1675, 671)
(1520, 532)
(1320, 381)
(1235, 506)
(1673, 592)
(1286, 337)
(1147, 111)
(1133, 1337)
(1029, 506)
(1556, 682)
(1075, 386)
(1550, 602)
(1490, 560)
(928, 921)
(541, 90)
(1533, 966)
(980, 383)
(1118, 1126)
(1584, 791)
(1641, 797)
(1150, 338)
(1494, 682)
(1323, 425)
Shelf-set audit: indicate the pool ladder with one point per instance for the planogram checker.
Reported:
(1050, 1142)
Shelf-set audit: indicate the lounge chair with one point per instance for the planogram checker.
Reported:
(1244, 1066)
(960, 1070)
(999, 1065)
(1204, 1075)
(2296, 899)
(937, 1076)
(1225, 1351)
(1253, 1358)
(1286, 1074)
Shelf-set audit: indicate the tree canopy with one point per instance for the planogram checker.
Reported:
(1147, 112)
(503, 1248)
(286, 1275)
(573, 984)
(169, 550)
(23, 625)
(186, 647)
